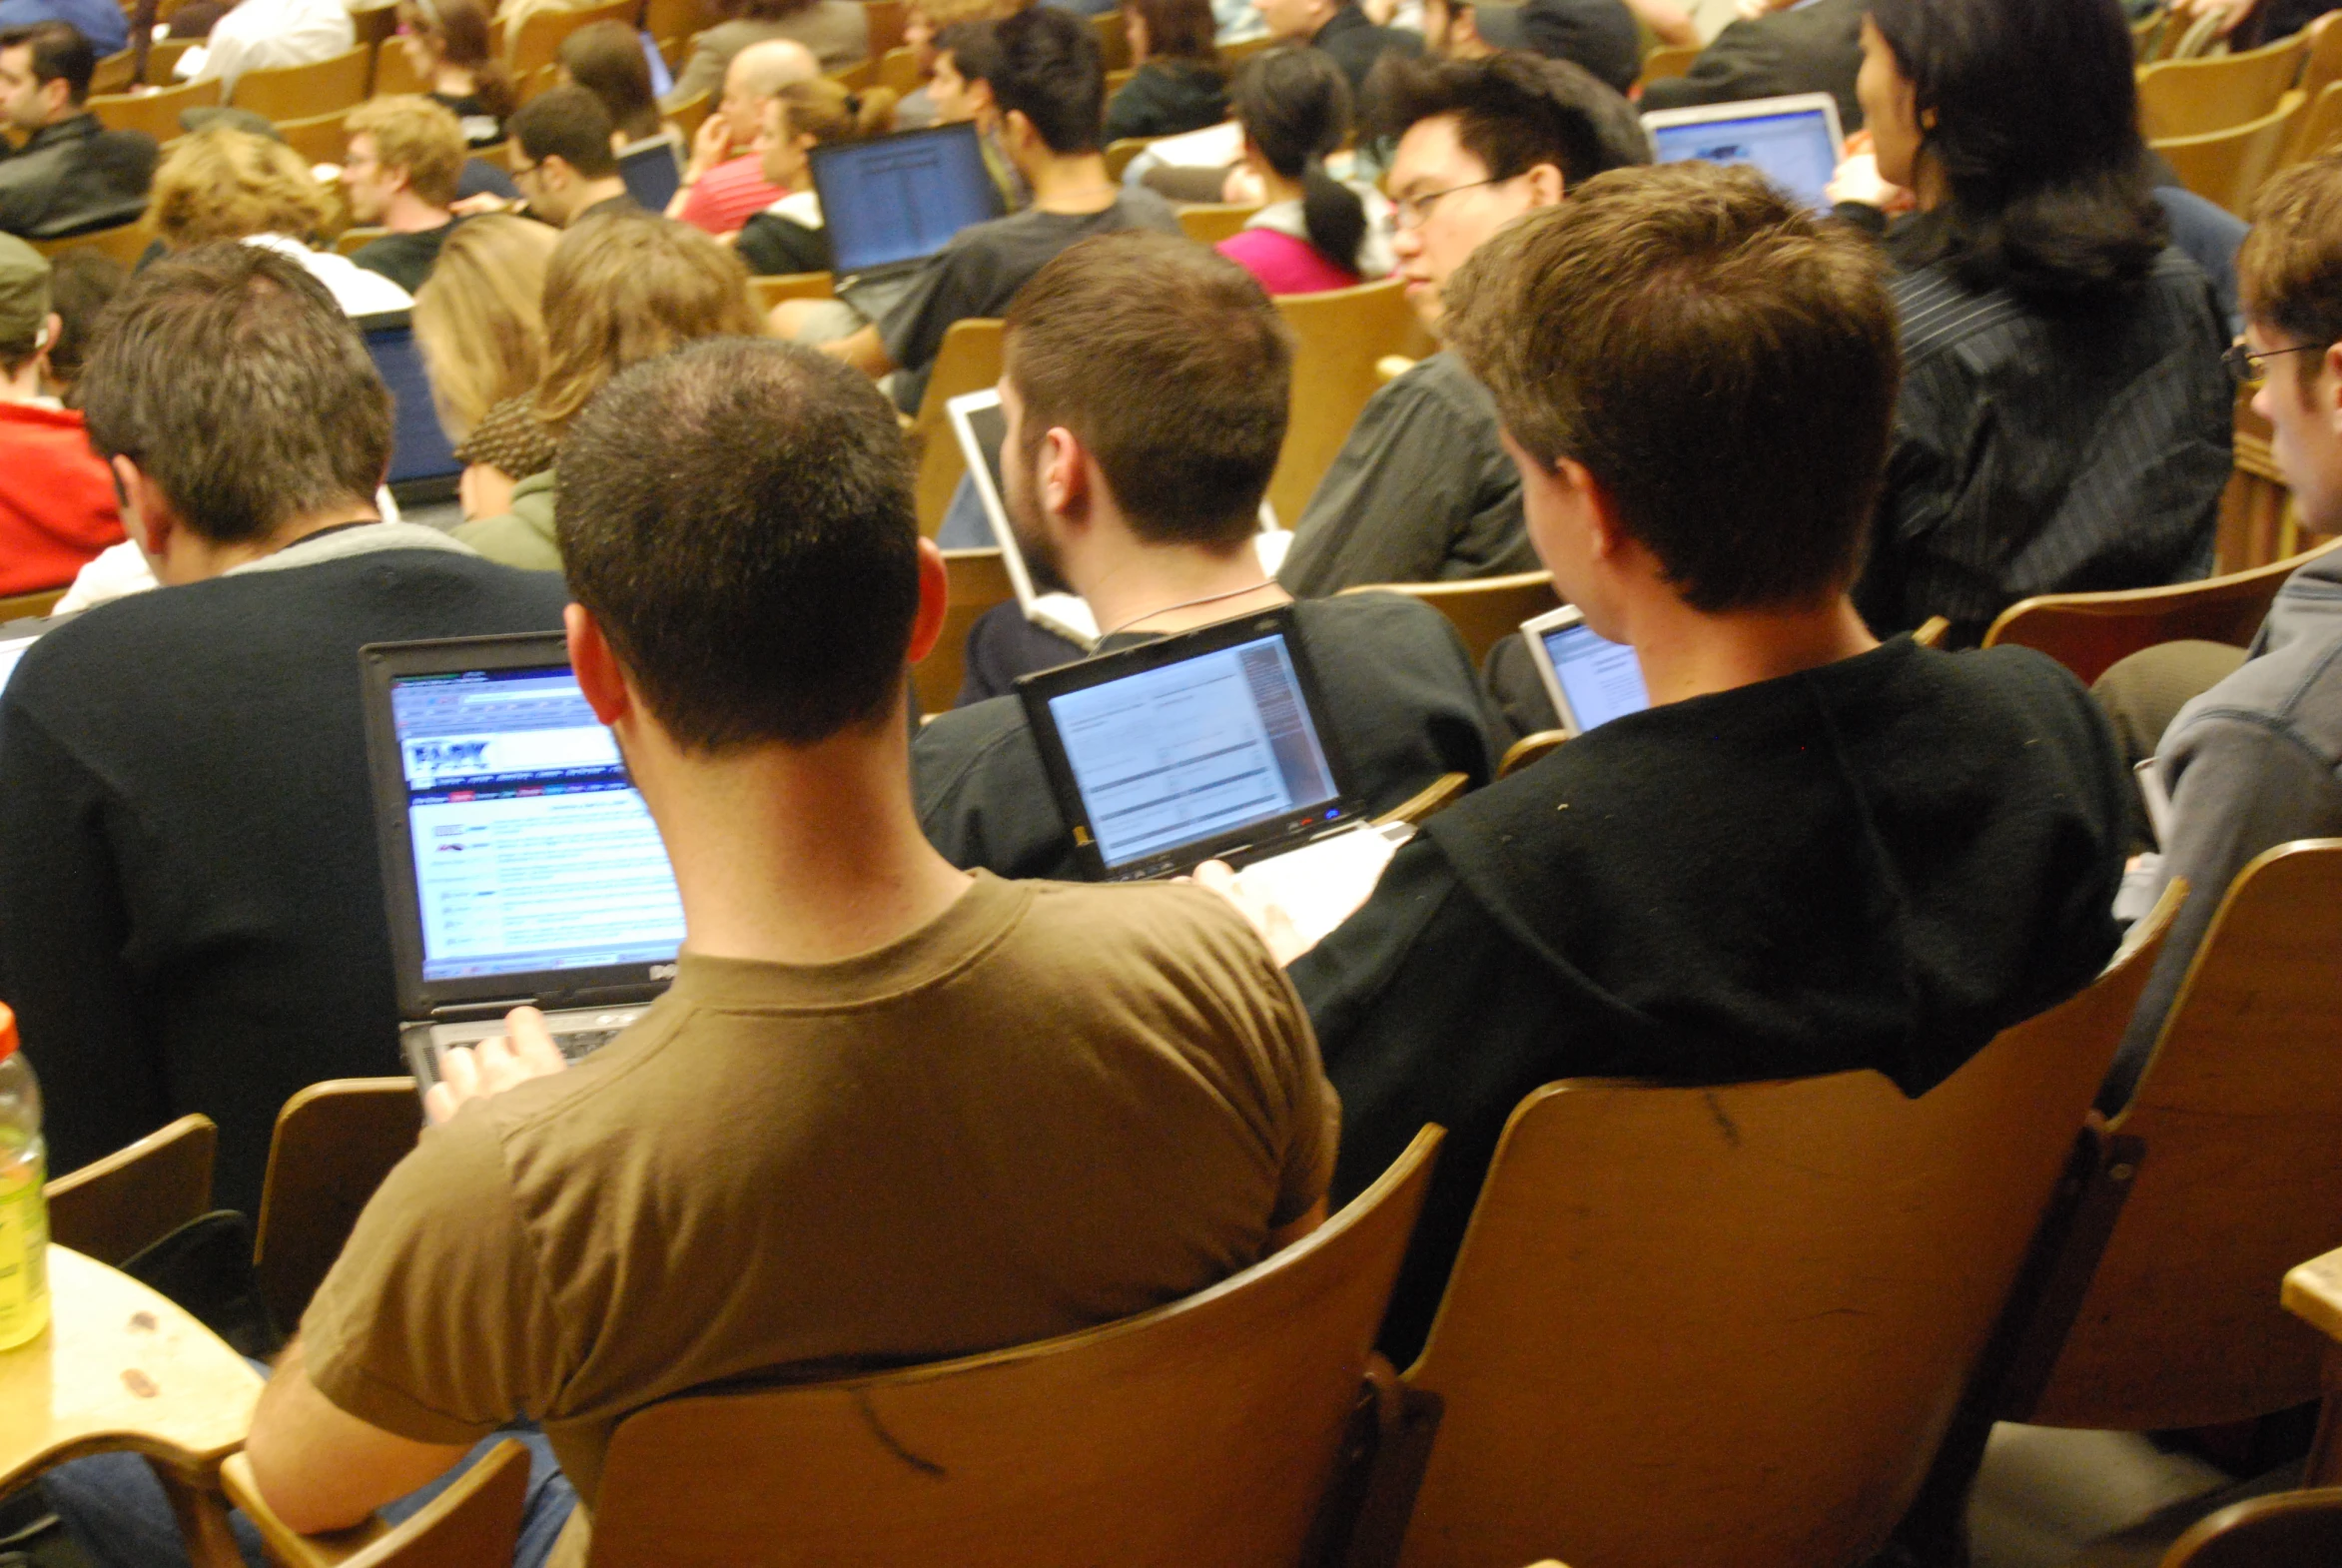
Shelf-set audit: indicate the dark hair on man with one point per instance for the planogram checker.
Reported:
(756, 568)
(59, 50)
(1655, 303)
(975, 50)
(229, 375)
(1513, 112)
(567, 123)
(1294, 105)
(82, 283)
(1166, 361)
(2289, 271)
(605, 58)
(2031, 107)
(1051, 71)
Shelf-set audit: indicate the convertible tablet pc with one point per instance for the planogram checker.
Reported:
(1591, 679)
(1794, 141)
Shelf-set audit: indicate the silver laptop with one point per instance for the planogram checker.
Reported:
(1591, 679)
(1794, 141)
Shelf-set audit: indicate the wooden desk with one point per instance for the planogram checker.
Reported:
(122, 1368)
(2313, 1293)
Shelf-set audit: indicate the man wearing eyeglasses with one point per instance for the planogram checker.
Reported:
(1422, 491)
(2255, 760)
(566, 169)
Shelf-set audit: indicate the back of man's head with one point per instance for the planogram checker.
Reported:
(59, 53)
(226, 184)
(756, 567)
(2289, 271)
(764, 68)
(1513, 112)
(234, 382)
(413, 133)
(1723, 364)
(567, 123)
(24, 303)
(1050, 70)
(1170, 367)
(975, 49)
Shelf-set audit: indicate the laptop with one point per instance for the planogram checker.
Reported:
(891, 202)
(1591, 679)
(1794, 141)
(1207, 746)
(520, 866)
(424, 470)
(14, 645)
(653, 169)
(980, 427)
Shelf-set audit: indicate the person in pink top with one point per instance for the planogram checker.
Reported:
(1294, 106)
(724, 184)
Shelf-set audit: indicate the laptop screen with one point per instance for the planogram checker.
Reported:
(419, 447)
(1793, 149)
(1601, 678)
(1190, 750)
(900, 197)
(533, 851)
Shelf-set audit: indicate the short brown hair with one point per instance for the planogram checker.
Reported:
(627, 286)
(2289, 272)
(1722, 362)
(412, 133)
(1170, 366)
(223, 184)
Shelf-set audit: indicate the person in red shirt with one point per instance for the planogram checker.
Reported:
(57, 504)
(725, 184)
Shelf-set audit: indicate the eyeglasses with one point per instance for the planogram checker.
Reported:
(2251, 369)
(1413, 212)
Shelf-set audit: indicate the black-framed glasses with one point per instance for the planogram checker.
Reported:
(2251, 367)
(1413, 212)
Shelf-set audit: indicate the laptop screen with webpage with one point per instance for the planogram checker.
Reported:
(531, 850)
(1793, 142)
(901, 198)
(1602, 679)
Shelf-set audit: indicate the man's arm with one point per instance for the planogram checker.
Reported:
(865, 350)
(322, 1468)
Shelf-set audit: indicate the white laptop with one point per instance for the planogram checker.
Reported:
(1591, 679)
(1795, 141)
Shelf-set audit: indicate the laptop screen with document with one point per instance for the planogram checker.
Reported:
(899, 198)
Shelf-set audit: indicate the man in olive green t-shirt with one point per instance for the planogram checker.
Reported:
(889, 1112)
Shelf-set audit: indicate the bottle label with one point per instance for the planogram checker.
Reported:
(24, 1249)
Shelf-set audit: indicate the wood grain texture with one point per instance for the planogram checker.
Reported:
(1483, 610)
(334, 1144)
(473, 1524)
(114, 1206)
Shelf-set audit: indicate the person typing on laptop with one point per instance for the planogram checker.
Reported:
(1146, 389)
(1814, 853)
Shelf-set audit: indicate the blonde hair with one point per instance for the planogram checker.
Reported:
(629, 286)
(228, 185)
(826, 111)
(412, 133)
(478, 318)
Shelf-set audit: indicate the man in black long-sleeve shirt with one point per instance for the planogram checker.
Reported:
(191, 911)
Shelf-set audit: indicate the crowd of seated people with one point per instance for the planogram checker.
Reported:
(1756, 442)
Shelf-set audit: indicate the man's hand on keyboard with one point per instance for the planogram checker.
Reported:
(493, 1066)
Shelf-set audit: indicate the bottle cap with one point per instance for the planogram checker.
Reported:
(7, 1032)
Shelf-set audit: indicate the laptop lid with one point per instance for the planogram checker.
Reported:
(1793, 141)
(419, 450)
(13, 646)
(897, 199)
(1591, 679)
(1203, 745)
(653, 169)
(517, 859)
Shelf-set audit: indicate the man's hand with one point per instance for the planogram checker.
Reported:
(1858, 181)
(485, 201)
(493, 1066)
(711, 145)
(2230, 12)
(1268, 916)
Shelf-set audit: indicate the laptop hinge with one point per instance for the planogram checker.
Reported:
(471, 1012)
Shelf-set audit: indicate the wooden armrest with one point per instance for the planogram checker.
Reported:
(476, 1520)
(1391, 366)
(1441, 793)
(1931, 632)
(284, 1544)
(2313, 1293)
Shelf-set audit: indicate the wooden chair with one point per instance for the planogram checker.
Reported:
(886, 24)
(1206, 1431)
(673, 22)
(528, 84)
(2194, 97)
(162, 60)
(303, 92)
(2227, 167)
(771, 290)
(321, 139)
(1727, 1324)
(395, 73)
(1121, 152)
(897, 70)
(1338, 336)
(1208, 223)
(116, 73)
(474, 1522)
(116, 1206)
(533, 45)
(689, 115)
(2147, 32)
(1427, 802)
(334, 1144)
(30, 606)
(125, 243)
(969, 361)
(1663, 64)
(1931, 631)
(1484, 611)
(1115, 81)
(2321, 64)
(859, 78)
(2321, 126)
(2313, 1293)
(977, 581)
(1528, 749)
(1113, 41)
(2086, 633)
(155, 113)
(2282, 1530)
(351, 241)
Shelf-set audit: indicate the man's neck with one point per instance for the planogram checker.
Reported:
(23, 385)
(1686, 653)
(411, 213)
(796, 855)
(1135, 586)
(595, 193)
(191, 557)
(1074, 185)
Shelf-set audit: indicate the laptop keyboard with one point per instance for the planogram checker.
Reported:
(584, 1041)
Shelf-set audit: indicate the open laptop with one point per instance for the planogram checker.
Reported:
(1794, 141)
(1207, 746)
(424, 470)
(14, 644)
(891, 202)
(520, 866)
(1591, 679)
(980, 427)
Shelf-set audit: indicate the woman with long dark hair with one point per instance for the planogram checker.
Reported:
(447, 44)
(2065, 420)
(1179, 84)
(1294, 107)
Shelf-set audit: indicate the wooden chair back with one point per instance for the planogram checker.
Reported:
(2282, 1530)
(116, 73)
(1729, 1324)
(334, 1144)
(162, 60)
(1115, 81)
(472, 1522)
(2147, 32)
(2321, 125)
(977, 581)
(857, 78)
(690, 114)
(155, 113)
(1528, 749)
(351, 241)
(2241, 1112)
(1204, 1431)
(375, 21)
(1114, 39)
(30, 606)
(1234, 55)
(2086, 633)
(1669, 61)
(395, 73)
(897, 69)
(321, 139)
(1208, 223)
(2194, 97)
(2227, 167)
(886, 22)
(1121, 152)
(2321, 64)
(673, 22)
(776, 287)
(1338, 336)
(1484, 611)
(113, 1207)
(538, 40)
(1427, 802)
(969, 361)
(303, 92)
(125, 243)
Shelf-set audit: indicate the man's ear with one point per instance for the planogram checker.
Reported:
(599, 676)
(1603, 530)
(2326, 391)
(1063, 475)
(1546, 184)
(146, 512)
(927, 627)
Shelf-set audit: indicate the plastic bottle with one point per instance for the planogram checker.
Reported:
(24, 1213)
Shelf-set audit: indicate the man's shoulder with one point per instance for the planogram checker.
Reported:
(2294, 687)
(1443, 381)
(1355, 623)
(1101, 936)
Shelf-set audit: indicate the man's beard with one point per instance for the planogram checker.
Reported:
(1040, 551)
